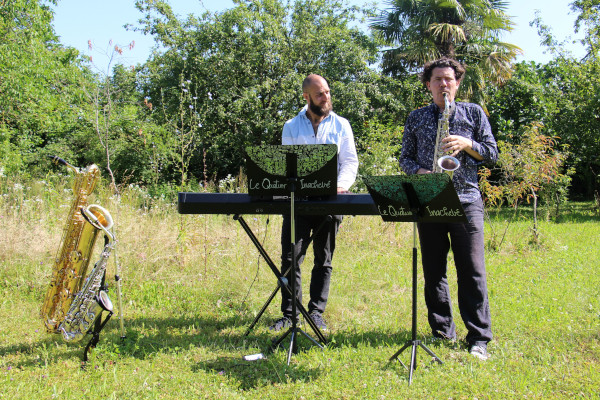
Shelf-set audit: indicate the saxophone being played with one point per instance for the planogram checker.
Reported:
(441, 161)
(75, 300)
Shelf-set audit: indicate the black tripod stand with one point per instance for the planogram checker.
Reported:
(415, 198)
(414, 343)
(294, 330)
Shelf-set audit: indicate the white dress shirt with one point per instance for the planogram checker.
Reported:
(332, 130)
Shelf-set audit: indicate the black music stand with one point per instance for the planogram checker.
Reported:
(415, 198)
(309, 170)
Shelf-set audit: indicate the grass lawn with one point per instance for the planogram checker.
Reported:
(193, 284)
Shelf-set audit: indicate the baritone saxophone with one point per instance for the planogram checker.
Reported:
(75, 300)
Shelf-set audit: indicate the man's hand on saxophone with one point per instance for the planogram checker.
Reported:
(454, 144)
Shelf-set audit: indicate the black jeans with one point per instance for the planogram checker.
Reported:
(466, 241)
(323, 247)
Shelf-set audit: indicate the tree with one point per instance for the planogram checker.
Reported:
(246, 66)
(528, 97)
(524, 170)
(113, 113)
(563, 96)
(40, 87)
(589, 21)
(467, 30)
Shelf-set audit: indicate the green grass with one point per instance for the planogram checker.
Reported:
(193, 284)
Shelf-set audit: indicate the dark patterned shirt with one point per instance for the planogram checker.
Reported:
(468, 120)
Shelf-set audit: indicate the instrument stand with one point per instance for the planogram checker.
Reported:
(414, 343)
(394, 196)
(98, 326)
(109, 244)
(281, 280)
(294, 330)
(119, 294)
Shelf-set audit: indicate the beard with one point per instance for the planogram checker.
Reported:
(321, 111)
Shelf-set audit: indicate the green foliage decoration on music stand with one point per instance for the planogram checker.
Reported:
(311, 157)
(316, 168)
(427, 186)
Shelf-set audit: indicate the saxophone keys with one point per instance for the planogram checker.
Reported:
(75, 256)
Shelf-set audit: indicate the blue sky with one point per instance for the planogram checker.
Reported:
(77, 21)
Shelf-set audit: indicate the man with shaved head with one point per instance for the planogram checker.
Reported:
(316, 123)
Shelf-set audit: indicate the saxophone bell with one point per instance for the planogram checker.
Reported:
(448, 164)
(98, 216)
(75, 328)
(104, 301)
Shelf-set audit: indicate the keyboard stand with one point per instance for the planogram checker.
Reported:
(281, 280)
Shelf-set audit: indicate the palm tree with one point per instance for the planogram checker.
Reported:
(418, 31)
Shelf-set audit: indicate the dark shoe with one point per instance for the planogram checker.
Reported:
(479, 351)
(317, 318)
(281, 323)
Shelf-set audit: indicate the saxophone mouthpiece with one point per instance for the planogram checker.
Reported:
(57, 160)
(446, 100)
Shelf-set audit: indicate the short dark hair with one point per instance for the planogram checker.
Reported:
(444, 62)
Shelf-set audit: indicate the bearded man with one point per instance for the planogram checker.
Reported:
(316, 123)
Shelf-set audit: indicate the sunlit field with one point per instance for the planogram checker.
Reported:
(193, 284)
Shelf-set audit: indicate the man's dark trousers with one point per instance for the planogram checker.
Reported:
(323, 247)
(467, 243)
